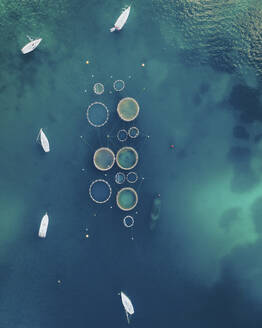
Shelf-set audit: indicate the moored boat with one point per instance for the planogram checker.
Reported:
(128, 306)
(120, 22)
(31, 45)
(43, 226)
(43, 140)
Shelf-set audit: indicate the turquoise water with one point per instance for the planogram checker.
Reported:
(199, 89)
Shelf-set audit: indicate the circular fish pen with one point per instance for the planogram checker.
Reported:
(128, 221)
(122, 135)
(98, 88)
(126, 199)
(127, 158)
(128, 109)
(119, 85)
(100, 191)
(133, 132)
(104, 159)
(97, 114)
(120, 178)
(132, 177)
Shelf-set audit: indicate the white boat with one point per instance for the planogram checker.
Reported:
(43, 226)
(43, 140)
(128, 306)
(120, 22)
(31, 45)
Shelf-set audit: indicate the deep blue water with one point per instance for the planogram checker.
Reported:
(199, 89)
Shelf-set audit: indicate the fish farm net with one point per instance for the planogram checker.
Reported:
(100, 191)
(97, 114)
(128, 221)
(98, 88)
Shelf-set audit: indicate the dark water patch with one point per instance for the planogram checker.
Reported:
(201, 92)
(228, 303)
(197, 99)
(246, 100)
(258, 137)
(3, 88)
(220, 57)
(240, 132)
(204, 88)
(239, 155)
(229, 218)
(190, 57)
(256, 210)
(244, 178)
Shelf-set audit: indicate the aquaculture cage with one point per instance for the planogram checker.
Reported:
(119, 85)
(128, 109)
(128, 221)
(97, 114)
(133, 132)
(120, 178)
(127, 158)
(126, 199)
(104, 159)
(132, 177)
(100, 191)
(98, 88)
(122, 135)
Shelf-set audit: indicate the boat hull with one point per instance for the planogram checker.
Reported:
(30, 46)
(120, 22)
(44, 141)
(43, 226)
(127, 304)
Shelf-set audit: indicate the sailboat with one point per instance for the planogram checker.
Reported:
(43, 140)
(43, 226)
(128, 306)
(120, 22)
(31, 45)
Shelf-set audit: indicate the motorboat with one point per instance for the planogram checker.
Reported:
(128, 306)
(32, 45)
(43, 226)
(120, 22)
(43, 140)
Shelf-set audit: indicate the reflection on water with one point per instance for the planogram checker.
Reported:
(224, 34)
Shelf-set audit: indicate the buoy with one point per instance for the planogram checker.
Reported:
(87, 62)
(59, 281)
(142, 64)
(87, 236)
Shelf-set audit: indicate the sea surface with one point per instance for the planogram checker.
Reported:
(199, 89)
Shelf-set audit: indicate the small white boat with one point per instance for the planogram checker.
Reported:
(31, 45)
(43, 226)
(43, 140)
(120, 22)
(128, 306)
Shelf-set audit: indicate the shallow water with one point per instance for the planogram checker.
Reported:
(199, 90)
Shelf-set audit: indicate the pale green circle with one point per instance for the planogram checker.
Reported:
(127, 158)
(128, 109)
(127, 199)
